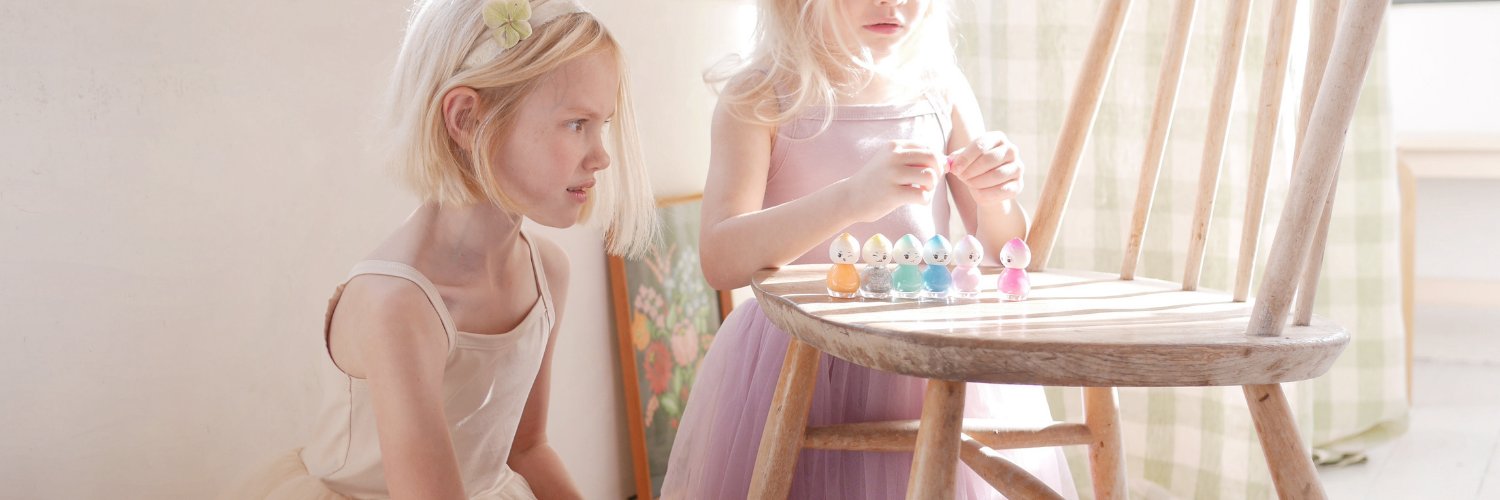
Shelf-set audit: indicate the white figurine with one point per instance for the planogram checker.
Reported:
(966, 257)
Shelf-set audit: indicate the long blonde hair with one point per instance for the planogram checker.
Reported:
(439, 38)
(796, 64)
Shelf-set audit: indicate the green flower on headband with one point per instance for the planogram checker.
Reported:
(510, 20)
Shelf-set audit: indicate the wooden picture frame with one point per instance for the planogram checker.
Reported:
(665, 318)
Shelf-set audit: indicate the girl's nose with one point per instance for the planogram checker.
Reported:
(597, 159)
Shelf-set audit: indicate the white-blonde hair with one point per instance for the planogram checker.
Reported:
(798, 61)
(440, 36)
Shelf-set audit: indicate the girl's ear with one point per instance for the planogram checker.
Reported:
(460, 106)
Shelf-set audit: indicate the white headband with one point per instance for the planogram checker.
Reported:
(510, 21)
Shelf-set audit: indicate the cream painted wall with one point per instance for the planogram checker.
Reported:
(1445, 72)
(183, 182)
(1445, 68)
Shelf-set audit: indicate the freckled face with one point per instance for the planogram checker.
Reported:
(547, 163)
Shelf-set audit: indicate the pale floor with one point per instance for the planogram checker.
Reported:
(1452, 448)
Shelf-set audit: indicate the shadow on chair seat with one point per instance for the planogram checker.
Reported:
(1078, 328)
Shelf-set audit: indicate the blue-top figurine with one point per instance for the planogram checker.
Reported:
(936, 280)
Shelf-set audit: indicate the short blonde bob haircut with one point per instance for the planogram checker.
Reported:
(800, 62)
(439, 38)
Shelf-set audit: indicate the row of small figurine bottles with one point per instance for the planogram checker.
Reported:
(936, 281)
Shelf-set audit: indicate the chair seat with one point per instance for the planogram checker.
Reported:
(1076, 329)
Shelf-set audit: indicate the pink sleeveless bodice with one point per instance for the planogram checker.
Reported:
(804, 161)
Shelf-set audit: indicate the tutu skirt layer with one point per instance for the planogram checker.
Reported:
(719, 434)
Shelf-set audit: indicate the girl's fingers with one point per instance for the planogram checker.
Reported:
(923, 178)
(961, 162)
(913, 195)
(907, 144)
(989, 160)
(918, 158)
(1005, 191)
(967, 157)
(995, 176)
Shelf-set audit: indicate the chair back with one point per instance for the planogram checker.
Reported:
(1342, 39)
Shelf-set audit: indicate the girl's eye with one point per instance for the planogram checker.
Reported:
(576, 125)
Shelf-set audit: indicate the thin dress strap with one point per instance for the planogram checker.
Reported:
(400, 270)
(944, 113)
(541, 279)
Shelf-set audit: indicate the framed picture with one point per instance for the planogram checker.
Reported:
(665, 317)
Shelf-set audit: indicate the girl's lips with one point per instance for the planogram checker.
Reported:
(884, 28)
(580, 192)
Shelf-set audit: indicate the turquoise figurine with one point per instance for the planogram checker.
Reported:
(906, 282)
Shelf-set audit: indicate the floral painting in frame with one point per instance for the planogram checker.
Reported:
(665, 317)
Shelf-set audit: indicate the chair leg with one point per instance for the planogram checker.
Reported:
(1290, 463)
(934, 465)
(1106, 452)
(786, 423)
(1006, 477)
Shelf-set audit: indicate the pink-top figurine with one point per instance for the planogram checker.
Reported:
(1014, 284)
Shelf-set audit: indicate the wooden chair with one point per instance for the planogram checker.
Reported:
(1095, 330)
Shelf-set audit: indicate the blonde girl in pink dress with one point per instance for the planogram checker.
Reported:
(849, 116)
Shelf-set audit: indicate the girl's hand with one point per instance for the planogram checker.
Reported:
(905, 172)
(990, 166)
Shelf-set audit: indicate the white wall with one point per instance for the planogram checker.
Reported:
(1445, 67)
(183, 182)
(1445, 84)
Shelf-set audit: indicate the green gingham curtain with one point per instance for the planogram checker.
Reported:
(1023, 58)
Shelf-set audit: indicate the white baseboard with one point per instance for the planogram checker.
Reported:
(1451, 156)
(1460, 293)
